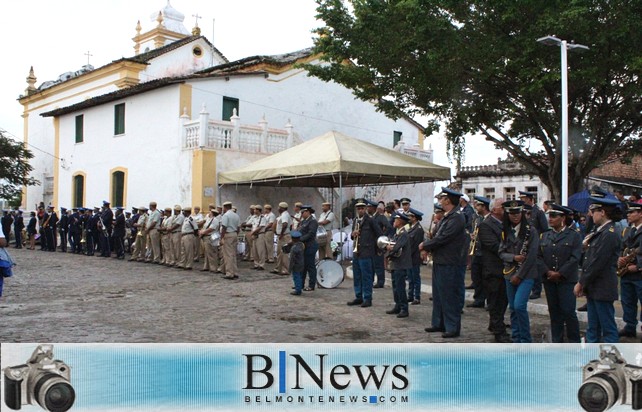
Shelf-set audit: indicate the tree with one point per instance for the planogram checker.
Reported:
(474, 66)
(14, 168)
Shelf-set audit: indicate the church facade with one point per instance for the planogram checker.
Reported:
(160, 125)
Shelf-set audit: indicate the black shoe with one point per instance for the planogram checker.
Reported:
(583, 308)
(475, 305)
(295, 293)
(366, 304)
(416, 302)
(503, 338)
(402, 314)
(377, 286)
(626, 333)
(355, 302)
(448, 335)
(535, 296)
(470, 287)
(434, 329)
(430, 298)
(393, 311)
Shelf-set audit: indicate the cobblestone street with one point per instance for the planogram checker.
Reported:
(56, 297)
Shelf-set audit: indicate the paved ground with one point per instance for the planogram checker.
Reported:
(56, 297)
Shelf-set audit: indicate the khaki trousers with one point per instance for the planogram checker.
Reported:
(282, 258)
(211, 255)
(187, 251)
(175, 255)
(269, 245)
(140, 245)
(166, 244)
(259, 251)
(249, 244)
(155, 244)
(229, 253)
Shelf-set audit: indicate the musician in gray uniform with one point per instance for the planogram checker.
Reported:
(308, 228)
(400, 259)
(519, 253)
(378, 214)
(538, 221)
(449, 266)
(482, 207)
(415, 238)
(560, 251)
(598, 281)
(365, 232)
(630, 268)
(489, 238)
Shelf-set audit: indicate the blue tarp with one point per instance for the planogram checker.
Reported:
(580, 201)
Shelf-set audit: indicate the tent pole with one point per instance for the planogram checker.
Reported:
(341, 215)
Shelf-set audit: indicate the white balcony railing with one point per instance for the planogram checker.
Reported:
(205, 133)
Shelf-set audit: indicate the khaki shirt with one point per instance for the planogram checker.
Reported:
(231, 221)
(283, 218)
(154, 216)
(327, 216)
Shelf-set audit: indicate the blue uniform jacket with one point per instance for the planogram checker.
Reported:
(633, 241)
(512, 246)
(599, 276)
(448, 246)
(560, 252)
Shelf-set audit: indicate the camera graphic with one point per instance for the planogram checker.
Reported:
(610, 381)
(42, 380)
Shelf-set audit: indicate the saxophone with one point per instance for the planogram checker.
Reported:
(513, 267)
(629, 256)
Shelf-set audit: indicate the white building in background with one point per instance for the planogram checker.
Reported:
(503, 180)
(160, 125)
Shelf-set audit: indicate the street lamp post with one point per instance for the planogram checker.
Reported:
(564, 46)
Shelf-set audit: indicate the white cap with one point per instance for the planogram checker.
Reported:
(466, 198)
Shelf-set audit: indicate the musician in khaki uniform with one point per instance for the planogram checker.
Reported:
(282, 230)
(200, 221)
(212, 225)
(326, 220)
(187, 240)
(247, 228)
(230, 223)
(153, 224)
(175, 230)
(166, 236)
(140, 245)
(258, 236)
(268, 238)
(296, 219)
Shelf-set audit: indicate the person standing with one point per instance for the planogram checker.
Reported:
(118, 233)
(91, 227)
(598, 281)
(326, 220)
(7, 221)
(50, 229)
(107, 221)
(560, 251)
(415, 238)
(268, 238)
(63, 229)
(400, 257)
(18, 225)
(365, 232)
(230, 224)
(296, 262)
(630, 268)
(247, 228)
(188, 231)
(212, 225)
(538, 221)
(258, 238)
(283, 224)
(482, 207)
(175, 236)
(519, 253)
(141, 236)
(31, 230)
(308, 228)
(151, 227)
(296, 219)
(198, 218)
(448, 248)
(378, 259)
(490, 238)
(166, 237)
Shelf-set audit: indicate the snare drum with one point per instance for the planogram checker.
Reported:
(329, 274)
(322, 236)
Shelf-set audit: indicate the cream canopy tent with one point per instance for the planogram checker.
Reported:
(335, 160)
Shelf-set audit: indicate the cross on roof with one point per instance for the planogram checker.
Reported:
(88, 56)
(196, 16)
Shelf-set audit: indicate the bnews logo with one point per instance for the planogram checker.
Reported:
(262, 373)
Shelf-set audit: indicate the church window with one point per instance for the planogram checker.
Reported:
(78, 190)
(119, 119)
(79, 128)
(229, 104)
(118, 188)
(197, 51)
(396, 138)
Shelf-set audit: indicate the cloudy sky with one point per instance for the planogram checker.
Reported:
(54, 37)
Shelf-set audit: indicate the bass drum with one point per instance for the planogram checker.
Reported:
(322, 236)
(329, 274)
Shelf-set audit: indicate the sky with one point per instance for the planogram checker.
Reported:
(54, 36)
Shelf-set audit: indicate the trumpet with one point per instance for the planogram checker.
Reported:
(357, 228)
(83, 238)
(473, 241)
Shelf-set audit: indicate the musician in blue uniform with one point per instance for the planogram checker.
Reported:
(50, 229)
(449, 266)
(400, 259)
(75, 231)
(18, 225)
(538, 220)
(520, 241)
(598, 281)
(106, 221)
(630, 268)
(119, 233)
(365, 232)
(91, 227)
(63, 229)
(560, 251)
(482, 208)
(415, 238)
(381, 219)
(308, 228)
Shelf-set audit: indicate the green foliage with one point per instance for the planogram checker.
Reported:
(14, 169)
(475, 67)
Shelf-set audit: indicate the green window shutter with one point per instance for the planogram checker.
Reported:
(79, 188)
(118, 189)
(119, 119)
(229, 104)
(396, 138)
(79, 128)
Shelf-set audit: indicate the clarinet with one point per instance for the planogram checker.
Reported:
(514, 267)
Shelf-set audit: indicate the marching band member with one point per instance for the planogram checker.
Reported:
(630, 268)
(415, 238)
(119, 233)
(379, 265)
(399, 256)
(519, 253)
(560, 251)
(365, 232)
(482, 208)
(308, 228)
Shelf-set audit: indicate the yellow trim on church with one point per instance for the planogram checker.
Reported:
(84, 188)
(111, 185)
(203, 177)
(56, 163)
(185, 99)
(25, 136)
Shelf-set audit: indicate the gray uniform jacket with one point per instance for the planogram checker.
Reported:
(416, 237)
(512, 246)
(369, 231)
(448, 246)
(538, 219)
(489, 238)
(403, 244)
(632, 239)
(560, 252)
(296, 257)
(599, 273)
(308, 229)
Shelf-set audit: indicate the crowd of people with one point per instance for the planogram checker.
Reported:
(512, 248)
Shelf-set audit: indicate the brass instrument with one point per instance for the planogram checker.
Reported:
(473, 241)
(357, 228)
(46, 223)
(383, 242)
(83, 238)
(587, 240)
(513, 267)
(101, 226)
(629, 256)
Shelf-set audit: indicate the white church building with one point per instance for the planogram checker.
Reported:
(161, 125)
